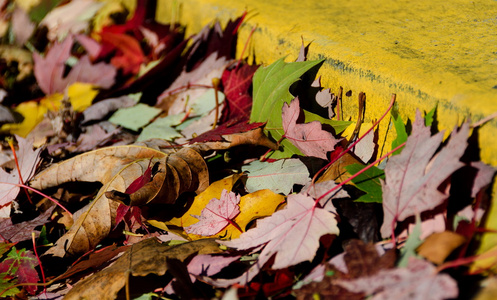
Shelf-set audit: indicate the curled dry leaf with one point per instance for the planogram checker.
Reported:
(116, 168)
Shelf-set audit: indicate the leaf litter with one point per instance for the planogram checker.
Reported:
(189, 173)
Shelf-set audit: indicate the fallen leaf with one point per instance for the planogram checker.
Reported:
(102, 108)
(291, 235)
(28, 160)
(144, 258)
(49, 70)
(21, 265)
(216, 215)
(252, 206)
(117, 167)
(162, 128)
(438, 246)
(271, 90)
(134, 117)
(279, 176)
(129, 56)
(309, 138)
(73, 17)
(236, 82)
(368, 182)
(409, 186)
(419, 280)
(23, 231)
(21, 26)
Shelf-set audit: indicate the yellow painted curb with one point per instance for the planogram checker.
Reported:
(425, 51)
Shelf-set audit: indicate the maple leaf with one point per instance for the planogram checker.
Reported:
(22, 231)
(216, 215)
(278, 176)
(28, 160)
(72, 17)
(271, 90)
(49, 70)
(418, 281)
(291, 235)
(309, 138)
(411, 187)
(236, 83)
(129, 56)
(21, 264)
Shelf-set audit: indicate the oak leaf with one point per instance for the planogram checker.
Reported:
(309, 138)
(412, 177)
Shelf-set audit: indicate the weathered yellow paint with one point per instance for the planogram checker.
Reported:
(425, 51)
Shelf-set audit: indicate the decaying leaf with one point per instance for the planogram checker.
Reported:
(438, 246)
(418, 281)
(117, 167)
(144, 258)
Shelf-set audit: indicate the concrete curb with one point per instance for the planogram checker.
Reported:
(427, 52)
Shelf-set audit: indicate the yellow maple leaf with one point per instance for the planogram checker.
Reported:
(80, 95)
(252, 206)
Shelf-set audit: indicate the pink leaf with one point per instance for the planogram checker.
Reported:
(216, 215)
(411, 186)
(208, 265)
(291, 234)
(418, 281)
(49, 70)
(309, 137)
(28, 160)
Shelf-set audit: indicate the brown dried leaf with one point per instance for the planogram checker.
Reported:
(439, 245)
(144, 258)
(116, 168)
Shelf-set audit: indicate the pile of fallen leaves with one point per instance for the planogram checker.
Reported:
(140, 163)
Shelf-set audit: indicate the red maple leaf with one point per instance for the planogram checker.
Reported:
(21, 264)
(310, 138)
(237, 82)
(232, 127)
(128, 53)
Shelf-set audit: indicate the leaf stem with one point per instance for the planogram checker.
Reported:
(11, 145)
(358, 173)
(392, 101)
(215, 84)
(39, 193)
(39, 261)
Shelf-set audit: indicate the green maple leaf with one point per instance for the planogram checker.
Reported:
(271, 90)
(368, 182)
